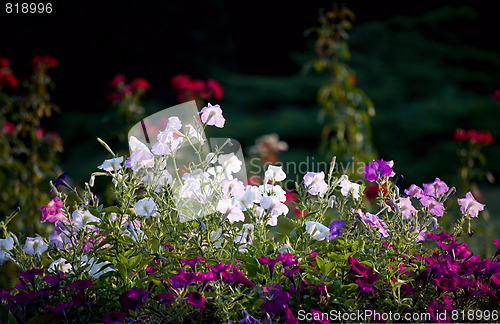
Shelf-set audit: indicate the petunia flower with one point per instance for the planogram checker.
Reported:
(233, 187)
(274, 173)
(230, 164)
(133, 298)
(212, 115)
(317, 230)
(349, 187)
(433, 206)
(196, 299)
(274, 298)
(52, 212)
(111, 165)
(379, 169)
(414, 191)
(35, 246)
(271, 263)
(406, 207)
(374, 221)
(60, 265)
(192, 262)
(315, 183)
(231, 209)
(336, 228)
(248, 319)
(81, 218)
(6, 245)
(436, 188)
(274, 208)
(146, 207)
(469, 205)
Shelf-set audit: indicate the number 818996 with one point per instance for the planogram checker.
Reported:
(27, 8)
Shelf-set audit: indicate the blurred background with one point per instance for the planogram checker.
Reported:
(428, 70)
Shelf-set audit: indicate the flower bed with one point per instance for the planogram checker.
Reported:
(194, 243)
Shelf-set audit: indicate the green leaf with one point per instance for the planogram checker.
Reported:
(122, 269)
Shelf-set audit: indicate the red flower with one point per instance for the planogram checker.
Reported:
(460, 135)
(8, 127)
(485, 137)
(181, 82)
(49, 61)
(215, 88)
(472, 135)
(117, 80)
(139, 83)
(4, 62)
(6, 76)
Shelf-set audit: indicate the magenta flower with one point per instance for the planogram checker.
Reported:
(435, 310)
(287, 316)
(219, 269)
(442, 236)
(196, 299)
(358, 268)
(378, 170)
(336, 228)
(436, 188)
(432, 205)
(469, 205)
(212, 115)
(414, 191)
(80, 284)
(237, 277)
(133, 298)
(319, 316)
(274, 298)
(271, 263)
(459, 251)
(287, 260)
(52, 211)
(497, 243)
(192, 262)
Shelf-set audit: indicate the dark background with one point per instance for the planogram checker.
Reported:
(429, 66)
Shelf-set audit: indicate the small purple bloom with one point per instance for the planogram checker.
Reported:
(414, 191)
(52, 280)
(336, 228)
(436, 188)
(192, 262)
(237, 277)
(433, 206)
(60, 181)
(469, 205)
(271, 263)
(133, 298)
(287, 260)
(248, 319)
(442, 236)
(274, 298)
(196, 299)
(164, 297)
(30, 274)
(80, 284)
(379, 169)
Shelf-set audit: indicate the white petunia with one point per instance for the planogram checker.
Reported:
(6, 245)
(231, 209)
(274, 173)
(146, 207)
(230, 163)
(244, 237)
(80, 219)
(60, 265)
(111, 164)
(317, 230)
(315, 183)
(95, 269)
(35, 246)
(349, 187)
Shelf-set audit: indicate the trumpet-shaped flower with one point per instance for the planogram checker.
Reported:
(111, 164)
(432, 205)
(141, 156)
(230, 164)
(231, 209)
(60, 265)
(274, 208)
(212, 115)
(414, 191)
(95, 269)
(317, 230)
(436, 188)
(233, 187)
(81, 219)
(35, 246)
(274, 173)
(146, 207)
(373, 221)
(336, 228)
(379, 169)
(52, 212)
(273, 191)
(251, 196)
(349, 187)
(6, 244)
(315, 183)
(406, 207)
(469, 205)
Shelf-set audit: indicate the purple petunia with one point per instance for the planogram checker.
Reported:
(436, 188)
(469, 205)
(336, 228)
(196, 299)
(433, 206)
(192, 262)
(133, 298)
(271, 263)
(378, 170)
(274, 298)
(52, 212)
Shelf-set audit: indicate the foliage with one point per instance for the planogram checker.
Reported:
(192, 243)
